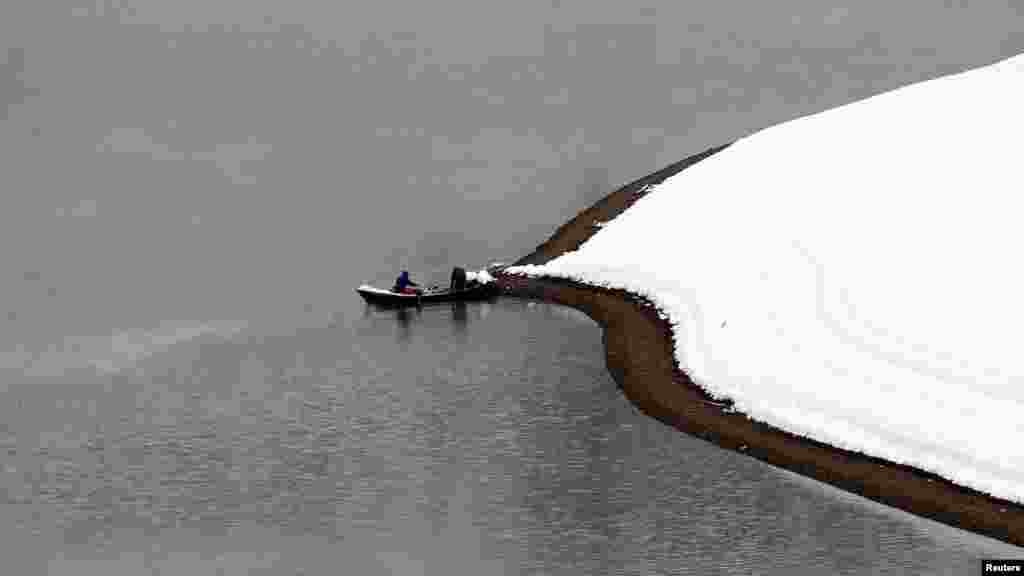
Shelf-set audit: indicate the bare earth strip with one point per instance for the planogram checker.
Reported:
(639, 345)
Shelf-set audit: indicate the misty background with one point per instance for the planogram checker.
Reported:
(237, 160)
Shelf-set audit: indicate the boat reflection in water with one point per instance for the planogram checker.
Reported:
(405, 316)
(406, 319)
(410, 318)
(460, 320)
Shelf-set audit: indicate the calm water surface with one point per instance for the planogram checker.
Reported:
(485, 439)
(189, 385)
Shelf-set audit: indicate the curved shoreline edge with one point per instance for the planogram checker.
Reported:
(639, 355)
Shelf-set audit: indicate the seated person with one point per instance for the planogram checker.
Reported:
(403, 285)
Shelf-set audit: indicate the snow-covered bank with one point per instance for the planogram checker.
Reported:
(850, 276)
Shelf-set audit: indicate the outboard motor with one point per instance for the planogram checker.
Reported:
(458, 279)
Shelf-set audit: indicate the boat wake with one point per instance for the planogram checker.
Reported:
(106, 355)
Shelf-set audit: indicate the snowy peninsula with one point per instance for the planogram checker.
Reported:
(850, 277)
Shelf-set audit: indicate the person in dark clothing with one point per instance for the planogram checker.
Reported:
(403, 285)
(458, 279)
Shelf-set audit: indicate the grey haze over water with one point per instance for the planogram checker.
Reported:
(192, 190)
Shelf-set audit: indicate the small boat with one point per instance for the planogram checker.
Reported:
(382, 297)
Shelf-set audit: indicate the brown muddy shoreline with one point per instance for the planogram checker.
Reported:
(639, 354)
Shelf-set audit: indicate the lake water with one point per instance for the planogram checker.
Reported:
(189, 384)
(483, 439)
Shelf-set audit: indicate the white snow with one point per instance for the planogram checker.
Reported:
(853, 276)
(481, 276)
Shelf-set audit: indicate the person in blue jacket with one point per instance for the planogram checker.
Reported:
(403, 285)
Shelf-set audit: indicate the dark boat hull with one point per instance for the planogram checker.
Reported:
(387, 298)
